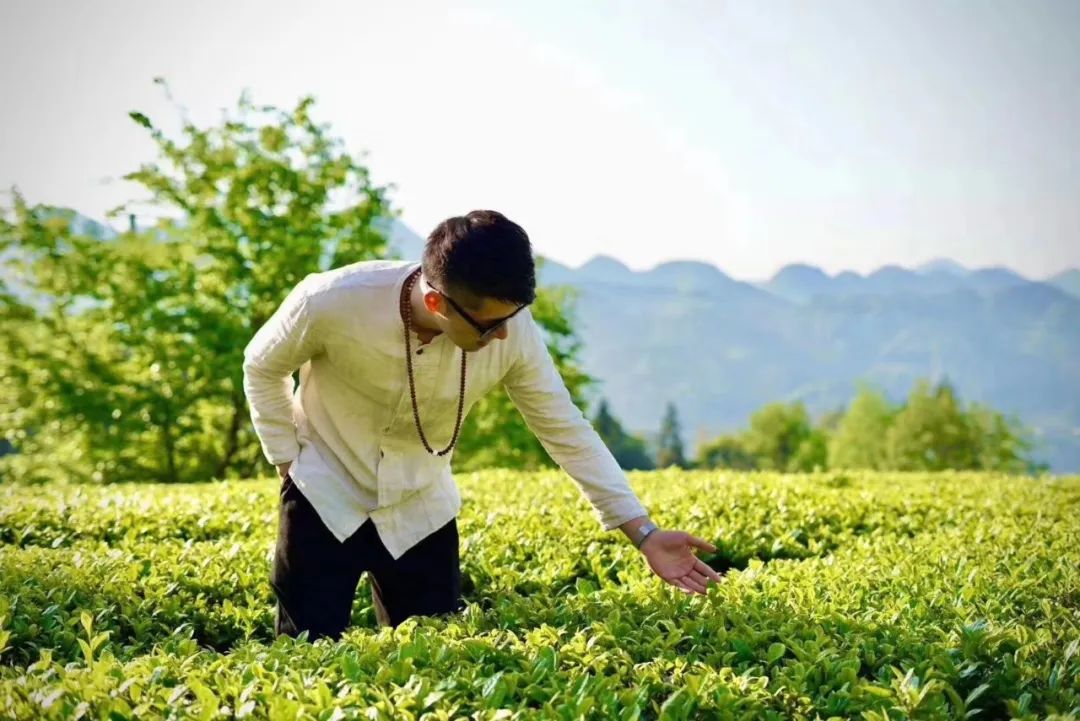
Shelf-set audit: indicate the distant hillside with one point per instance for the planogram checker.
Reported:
(720, 348)
(1068, 281)
(801, 283)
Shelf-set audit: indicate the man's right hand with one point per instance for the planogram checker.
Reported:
(283, 469)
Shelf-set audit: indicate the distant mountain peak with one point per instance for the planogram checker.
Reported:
(797, 282)
(1068, 281)
(687, 264)
(800, 270)
(604, 261)
(998, 270)
(606, 267)
(694, 268)
(942, 265)
(890, 270)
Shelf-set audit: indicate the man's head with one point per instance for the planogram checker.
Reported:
(478, 270)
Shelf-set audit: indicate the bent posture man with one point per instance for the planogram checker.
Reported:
(381, 378)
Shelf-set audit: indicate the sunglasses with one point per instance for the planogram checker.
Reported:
(485, 332)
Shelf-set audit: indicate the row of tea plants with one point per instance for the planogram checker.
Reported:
(865, 595)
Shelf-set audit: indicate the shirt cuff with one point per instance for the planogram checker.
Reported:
(282, 453)
(619, 513)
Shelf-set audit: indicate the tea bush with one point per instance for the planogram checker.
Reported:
(857, 595)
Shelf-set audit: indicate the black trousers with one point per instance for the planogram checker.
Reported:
(315, 576)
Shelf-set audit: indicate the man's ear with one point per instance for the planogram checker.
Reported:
(433, 302)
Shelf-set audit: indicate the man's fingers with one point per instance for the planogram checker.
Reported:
(699, 577)
(701, 543)
(680, 585)
(708, 571)
(692, 584)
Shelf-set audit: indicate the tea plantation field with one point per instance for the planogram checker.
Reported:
(870, 596)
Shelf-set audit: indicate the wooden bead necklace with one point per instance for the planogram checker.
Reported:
(406, 316)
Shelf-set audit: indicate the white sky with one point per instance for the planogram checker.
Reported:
(750, 135)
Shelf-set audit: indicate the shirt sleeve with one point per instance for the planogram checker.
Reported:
(278, 348)
(537, 390)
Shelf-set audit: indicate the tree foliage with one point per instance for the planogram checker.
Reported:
(930, 431)
(669, 444)
(859, 441)
(629, 450)
(135, 371)
(782, 438)
(726, 451)
(123, 355)
(933, 432)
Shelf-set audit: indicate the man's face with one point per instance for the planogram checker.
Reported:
(460, 331)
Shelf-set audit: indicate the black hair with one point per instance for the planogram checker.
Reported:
(481, 255)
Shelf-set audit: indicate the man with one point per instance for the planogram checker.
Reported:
(392, 354)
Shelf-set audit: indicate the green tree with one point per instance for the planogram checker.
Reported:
(1003, 443)
(726, 451)
(859, 440)
(782, 438)
(932, 432)
(134, 372)
(628, 450)
(669, 444)
(813, 453)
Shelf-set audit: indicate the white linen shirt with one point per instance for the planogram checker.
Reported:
(348, 426)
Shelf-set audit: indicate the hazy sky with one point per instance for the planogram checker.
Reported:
(750, 135)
